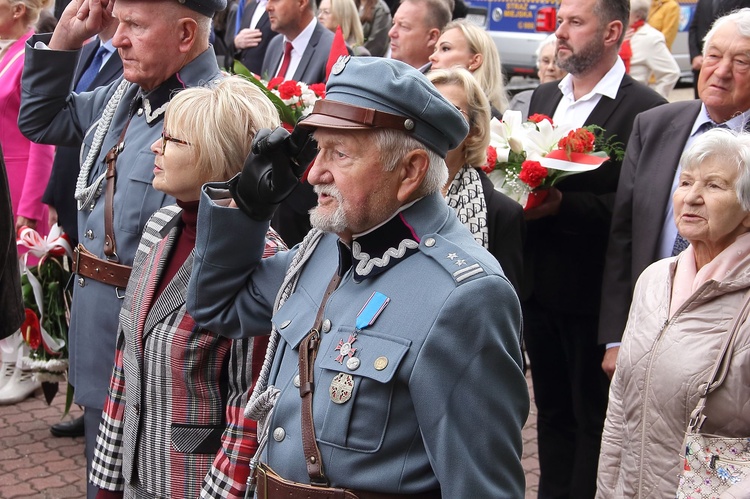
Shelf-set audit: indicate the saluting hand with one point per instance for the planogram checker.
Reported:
(81, 20)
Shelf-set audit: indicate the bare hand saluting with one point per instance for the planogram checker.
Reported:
(81, 20)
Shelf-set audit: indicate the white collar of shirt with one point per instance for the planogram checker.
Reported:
(299, 45)
(260, 9)
(575, 112)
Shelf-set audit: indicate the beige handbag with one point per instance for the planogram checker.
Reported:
(715, 467)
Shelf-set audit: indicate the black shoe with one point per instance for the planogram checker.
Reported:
(71, 428)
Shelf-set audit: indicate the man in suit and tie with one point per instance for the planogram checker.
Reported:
(300, 54)
(566, 244)
(249, 33)
(643, 228)
(302, 51)
(99, 64)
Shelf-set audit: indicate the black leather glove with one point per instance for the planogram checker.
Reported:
(272, 170)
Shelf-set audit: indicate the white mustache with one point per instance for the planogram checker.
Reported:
(328, 190)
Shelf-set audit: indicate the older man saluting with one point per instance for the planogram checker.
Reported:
(643, 228)
(164, 48)
(386, 361)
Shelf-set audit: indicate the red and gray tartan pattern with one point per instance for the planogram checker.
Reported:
(173, 421)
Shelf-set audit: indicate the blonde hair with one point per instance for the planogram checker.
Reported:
(478, 113)
(33, 9)
(346, 15)
(489, 74)
(220, 122)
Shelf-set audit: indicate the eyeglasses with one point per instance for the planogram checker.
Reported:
(324, 12)
(166, 138)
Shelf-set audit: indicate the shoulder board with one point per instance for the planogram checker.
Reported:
(457, 262)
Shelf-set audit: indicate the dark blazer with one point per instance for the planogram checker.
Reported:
(565, 253)
(653, 154)
(11, 302)
(61, 187)
(312, 66)
(251, 58)
(507, 230)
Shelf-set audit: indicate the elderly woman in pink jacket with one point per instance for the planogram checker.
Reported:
(682, 313)
(28, 164)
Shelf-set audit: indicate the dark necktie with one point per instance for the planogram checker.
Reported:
(286, 60)
(88, 76)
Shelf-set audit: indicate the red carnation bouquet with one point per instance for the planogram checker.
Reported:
(525, 159)
(293, 99)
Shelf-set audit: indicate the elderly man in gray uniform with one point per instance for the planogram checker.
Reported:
(394, 364)
(164, 48)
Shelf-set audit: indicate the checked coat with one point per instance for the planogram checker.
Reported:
(173, 423)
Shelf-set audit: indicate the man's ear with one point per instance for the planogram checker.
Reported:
(412, 171)
(434, 36)
(613, 33)
(188, 30)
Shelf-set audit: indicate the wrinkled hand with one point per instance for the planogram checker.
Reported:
(550, 206)
(81, 20)
(609, 362)
(272, 170)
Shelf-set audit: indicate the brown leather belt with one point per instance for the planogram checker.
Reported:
(87, 265)
(272, 486)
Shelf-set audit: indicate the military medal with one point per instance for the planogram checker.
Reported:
(345, 348)
(341, 388)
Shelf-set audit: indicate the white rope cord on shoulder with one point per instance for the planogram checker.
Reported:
(263, 399)
(86, 193)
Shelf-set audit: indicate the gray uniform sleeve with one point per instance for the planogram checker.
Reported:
(229, 289)
(50, 113)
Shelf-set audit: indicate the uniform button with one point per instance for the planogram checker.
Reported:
(140, 111)
(326, 326)
(90, 234)
(81, 281)
(429, 242)
(279, 434)
(295, 380)
(285, 324)
(92, 205)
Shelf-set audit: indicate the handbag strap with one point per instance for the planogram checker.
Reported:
(719, 372)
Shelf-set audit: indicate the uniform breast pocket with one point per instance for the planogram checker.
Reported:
(139, 199)
(359, 380)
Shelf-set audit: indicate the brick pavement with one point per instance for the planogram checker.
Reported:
(34, 464)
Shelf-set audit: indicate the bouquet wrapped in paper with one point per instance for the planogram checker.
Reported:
(46, 301)
(525, 159)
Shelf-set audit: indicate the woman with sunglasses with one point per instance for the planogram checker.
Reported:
(173, 423)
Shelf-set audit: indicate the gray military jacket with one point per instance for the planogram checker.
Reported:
(437, 397)
(50, 114)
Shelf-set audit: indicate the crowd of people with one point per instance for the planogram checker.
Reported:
(344, 308)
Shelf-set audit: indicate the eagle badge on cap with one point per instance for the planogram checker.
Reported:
(340, 64)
